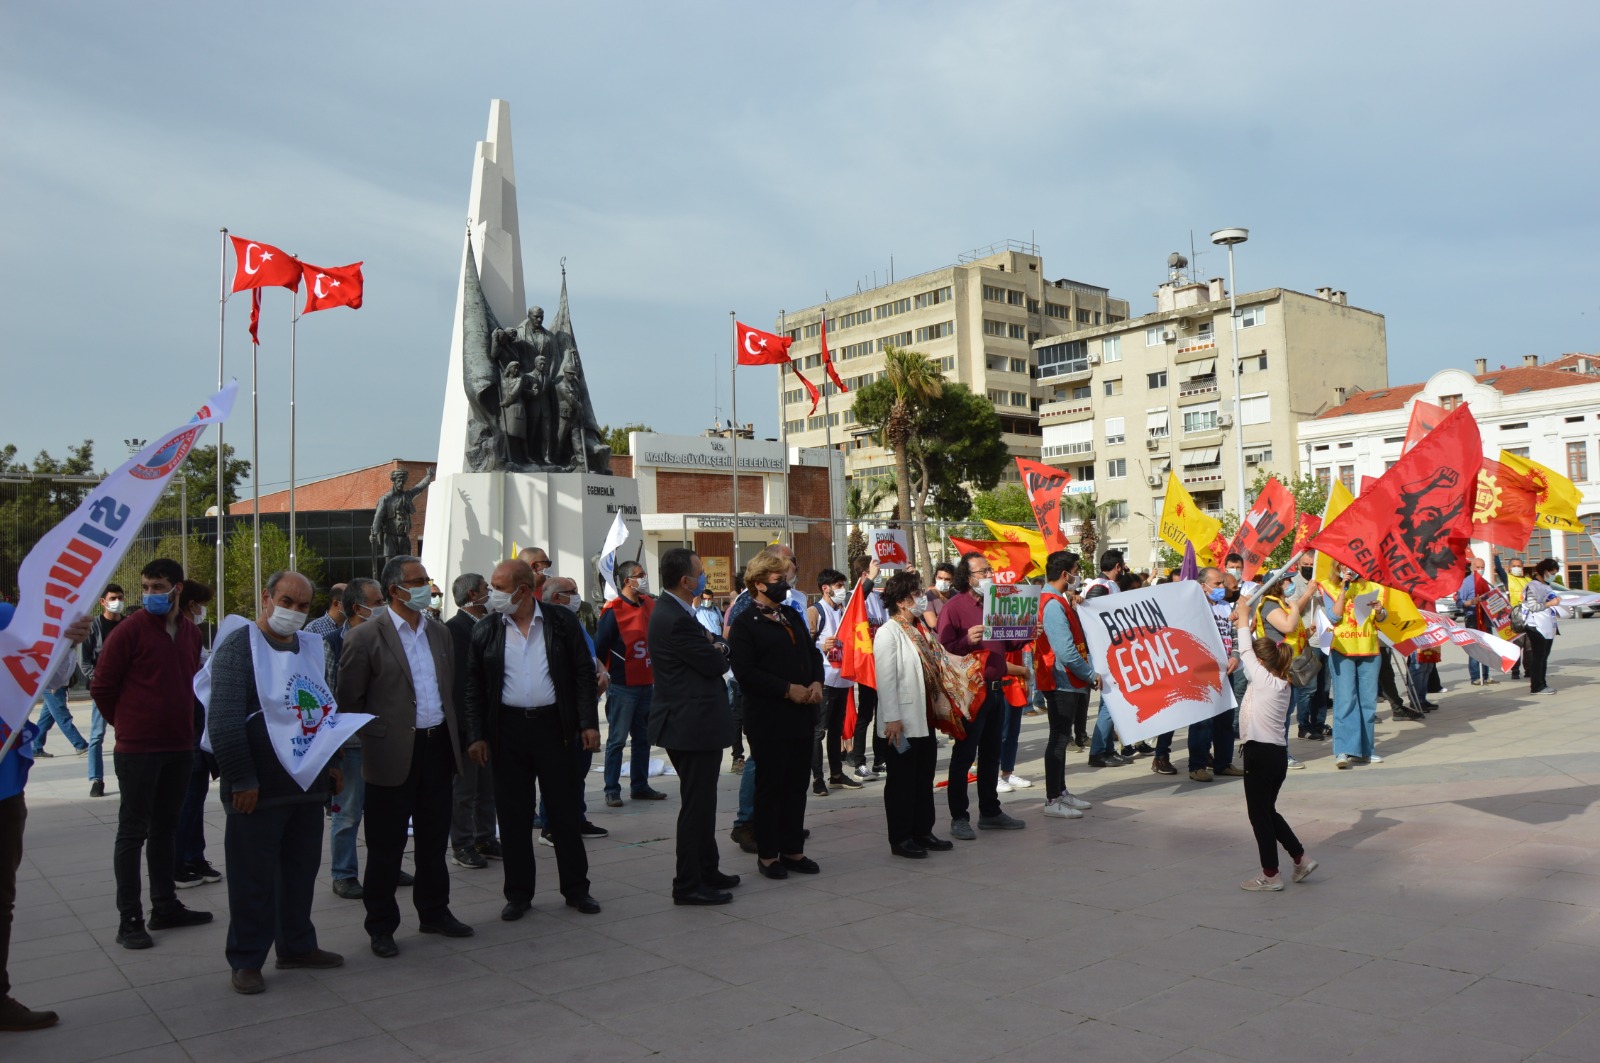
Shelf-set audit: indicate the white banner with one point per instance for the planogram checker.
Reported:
(1159, 656)
(608, 554)
(888, 545)
(62, 576)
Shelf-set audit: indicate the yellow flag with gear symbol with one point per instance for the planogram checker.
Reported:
(1558, 497)
(1183, 522)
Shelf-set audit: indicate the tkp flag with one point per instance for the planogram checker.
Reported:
(1265, 526)
(1410, 530)
(259, 265)
(333, 286)
(1045, 486)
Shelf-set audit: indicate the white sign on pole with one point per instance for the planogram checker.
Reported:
(888, 545)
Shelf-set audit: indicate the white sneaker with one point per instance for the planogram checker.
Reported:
(1262, 884)
(1058, 810)
(1342, 761)
(1303, 869)
(1017, 782)
(1295, 763)
(1374, 759)
(1074, 802)
(1001, 786)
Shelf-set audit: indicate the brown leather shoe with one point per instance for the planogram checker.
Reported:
(14, 1018)
(248, 982)
(1232, 771)
(317, 959)
(1201, 775)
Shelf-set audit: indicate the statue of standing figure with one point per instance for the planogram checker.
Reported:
(391, 523)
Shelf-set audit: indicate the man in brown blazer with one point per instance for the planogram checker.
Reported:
(399, 667)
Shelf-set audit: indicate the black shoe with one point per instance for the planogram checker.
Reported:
(469, 858)
(648, 795)
(1327, 730)
(406, 879)
(1144, 747)
(805, 865)
(744, 836)
(514, 910)
(935, 845)
(908, 849)
(719, 881)
(585, 904)
(14, 1018)
(448, 925)
(819, 788)
(132, 935)
(1428, 706)
(1098, 762)
(97, 788)
(348, 888)
(702, 897)
(772, 870)
(186, 876)
(589, 830)
(491, 849)
(178, 916)
(208, 874)
(1410, 714)
(384, 947)
(844, 782)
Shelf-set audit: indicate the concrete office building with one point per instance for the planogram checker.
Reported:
(978, 319)
(1128, 401)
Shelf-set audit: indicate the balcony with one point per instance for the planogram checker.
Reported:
(1073, 371)
(1077, 453)
(1198, 391)
(1190, 349)
(1066, 411)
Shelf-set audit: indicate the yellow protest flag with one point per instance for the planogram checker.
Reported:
(1015, 533)
(514, 551)
(1558, 496)
(1339, 497)
(1403, 621)
(1183, 522)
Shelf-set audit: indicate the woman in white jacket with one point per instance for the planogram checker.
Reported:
(902, 655)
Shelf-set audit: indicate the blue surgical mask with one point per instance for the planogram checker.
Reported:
(158, 604)
(700, 587)
(419, 598)
(1217, 595)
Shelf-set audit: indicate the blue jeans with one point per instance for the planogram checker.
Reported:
(582, 761)
(1213, 737)
(1355, 703)
(628, 715)
(1300, 699)
(1010, 733)
(1164, 744)
(747, 793)
(1419, 677)
(97, 741)
(1101, 744)
(347, 804)
(55, 708)
(191, 842)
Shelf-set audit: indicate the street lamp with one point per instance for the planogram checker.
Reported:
(1228, 238)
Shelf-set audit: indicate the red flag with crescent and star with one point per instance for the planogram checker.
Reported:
(263, 266)
(332, 286)
(827, 359)
(765, 348)
(255, 316)
(1045, 487)
(856, 662)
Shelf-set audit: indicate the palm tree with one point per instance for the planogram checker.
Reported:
(914, 379)
(861, 500)
(1092, 519)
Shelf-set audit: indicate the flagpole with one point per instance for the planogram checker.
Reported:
(294, 322)
(827, 419)
(222, 506)
(733, 389)
(783, 431)
(255, 465)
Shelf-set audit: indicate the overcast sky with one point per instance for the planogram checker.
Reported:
(691, 159)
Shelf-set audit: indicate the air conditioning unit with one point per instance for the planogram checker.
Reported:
(1169, 336)
(1153, 480)
(1185, 323)
(1224, 420)
(1152, 443)
(1094, 359)
(1252, 459)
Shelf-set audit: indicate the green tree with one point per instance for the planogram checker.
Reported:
(894, 407)
(238, 565)
(960, 450)
(1003, 505)
(1093, 519)
(199, 472)
(861, 500)
(617, 438)
(35, 497)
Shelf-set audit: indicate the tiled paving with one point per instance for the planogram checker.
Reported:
(1456, 917)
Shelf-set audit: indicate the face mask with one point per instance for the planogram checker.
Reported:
(1236, 573)
(285, 622)
(942, 586)
(838, 596)
(436, 601)
(1217, 594)
(984, 585)
(158, 604)
(1305, 572)
(778, 590)
(200, 617)
(700, 584)
(116, 607)
(418, 598)
(921, 604)
(641, 585)
(1515, 571)
(500, 602)
(1075, 584)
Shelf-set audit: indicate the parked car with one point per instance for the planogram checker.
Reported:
(1568, 597)
(1447, 607)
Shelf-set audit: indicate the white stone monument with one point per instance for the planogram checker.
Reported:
(475, 518)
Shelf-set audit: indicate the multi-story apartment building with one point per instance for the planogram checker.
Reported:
(978, 319)
(1130, 401)
(1549, 413)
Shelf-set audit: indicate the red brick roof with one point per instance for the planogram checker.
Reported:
(1510, 381)
(360, 489)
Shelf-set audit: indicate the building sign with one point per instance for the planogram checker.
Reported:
(699, 452)
(748, 520)
(718, 575)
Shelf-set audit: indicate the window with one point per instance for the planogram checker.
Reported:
(1156, 380)
(1111, 349)
(1261, 361)
(1082, 316)
(1013, 298)
(813, 361)
(1347, 444)
(1209, 459)
(1019, 399)
(860, 317)
(1056, 310)
(1083, 473)
(1347, 476)
(1097, 317)
(797, 395)
(1019, 365)
(1017, 332)
(1204, 332)
(813, 329)
(936, 332)
(1258, 454)
(1202, 418)
(1201, 374)
(1324, 477)
(823, 421)
(1118, 513)
(1320, 446)
(793, 334)
(794, 426)
(995, 363)
(1578, 461)
(934, 297)
(854, 350)
(899, 339)
(1115, 432)
(1574, 420)
(1520, 452)
(1251, 316)
(1034, 336)
(1082, 391)
(1117, 468)
(1514, 426)
(996, 396)
(1033, 306)
(1449, 402)
(948, 363)
(1112, 319)
(1255, 409)
(1153, 336)
(1157, 423)
(1114, 387)
(899, 306)
(1064, 439)
(1060, 359)
(994, 293)
(994, 328)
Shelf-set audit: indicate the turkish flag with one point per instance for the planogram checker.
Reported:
(1307, 526)
(811, 389)
(1010, 561)
(1264, 527)
(333, 286)
(1045, 487)
(255, 316)
(855, 636)
(827, 359)
(760, 348)
(1425, 417)
(263, 266)
(1506, 506)
(1411, 529)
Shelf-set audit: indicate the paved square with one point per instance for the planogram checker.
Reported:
(1456, 916)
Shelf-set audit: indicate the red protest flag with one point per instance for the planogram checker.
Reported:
(1505, 507)
(1010, 561)
(1411, 529)
(1425, 417)
(1264, 527)
(827, 359)
(261, 265)
(333, 286)
(760, 348)
(855, 640)
(1045, 487)
(1307, 526)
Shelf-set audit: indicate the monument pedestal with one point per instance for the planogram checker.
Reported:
(478, 519)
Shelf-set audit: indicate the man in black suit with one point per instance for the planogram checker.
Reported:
(690, 718)
(531, 698)
(472, 840)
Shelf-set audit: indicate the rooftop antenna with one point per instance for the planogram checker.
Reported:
(1194, 257)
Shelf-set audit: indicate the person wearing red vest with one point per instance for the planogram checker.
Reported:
(1063, 674)
(621, 643)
